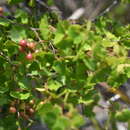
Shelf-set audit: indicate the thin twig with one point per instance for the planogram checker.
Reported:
(37, 35)
(115, 2)
(53, 49)
(22, 25)
(5, 57)
(43, 4)
(46, 6)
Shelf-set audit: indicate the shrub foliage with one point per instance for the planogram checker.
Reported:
(60, 70)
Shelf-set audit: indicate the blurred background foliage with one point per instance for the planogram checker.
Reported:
(121, 13)
(115, 9)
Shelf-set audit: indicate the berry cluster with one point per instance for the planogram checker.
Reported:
(27, 47)
(25, 110)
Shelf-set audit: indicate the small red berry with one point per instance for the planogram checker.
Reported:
(12, 110)
(31, 45)
(29, 56)
(23, 43)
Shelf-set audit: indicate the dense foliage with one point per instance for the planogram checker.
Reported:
(48, 67)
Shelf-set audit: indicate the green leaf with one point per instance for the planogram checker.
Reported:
(4, 22)
(62, 26)
(77, 119)
(58, 38)
(20, 95)
(73, 31)
(58, 67)
(24, 83)
(43, 109)
(90, 64)
(99, 51)
(52, 115)
(34, 73)
(4, 99)
(65, 45)
(111, 36)
(86, 47)
(3, 89)
(62, 123)
(47, 114)
(54, 85)
(127, 70)
(14, 1)
(32, 3)
(22, 15)
(88, 111)
(50, 119)
(123, 116)
(17, 33)
(12, 48)
(34, 67)
(44, 59)
(44, 28)
(121, 67)
(108, 43)
(50, 2)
